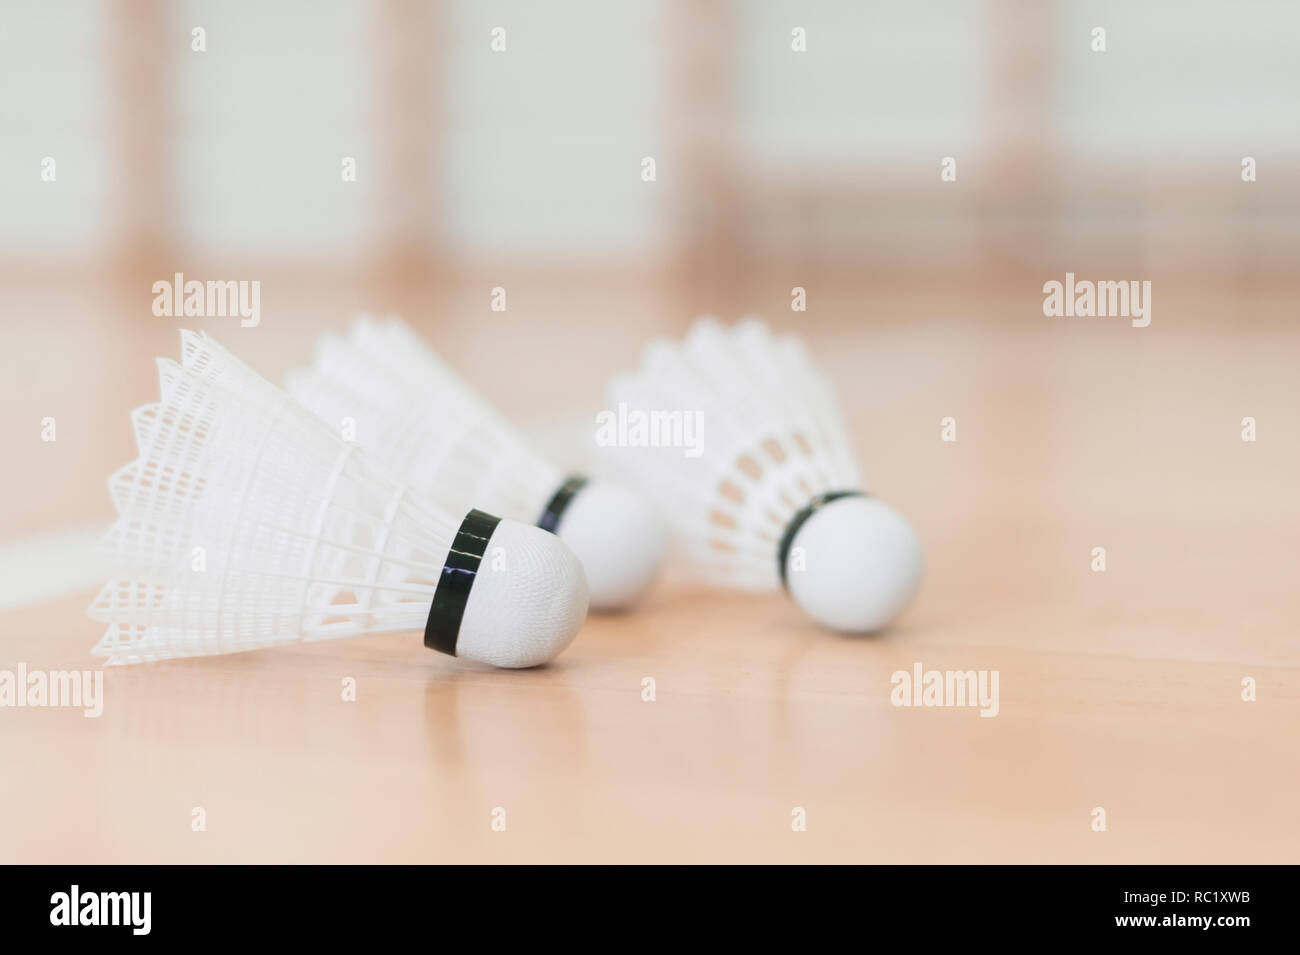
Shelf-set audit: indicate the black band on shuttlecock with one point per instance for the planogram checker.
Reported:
(798, 521)
(456, 579)
(563, 497)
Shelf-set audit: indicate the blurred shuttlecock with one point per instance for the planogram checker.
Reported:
(423, 422)
(246, 522)
(771, 494)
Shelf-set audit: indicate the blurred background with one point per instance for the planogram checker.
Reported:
(774, 168)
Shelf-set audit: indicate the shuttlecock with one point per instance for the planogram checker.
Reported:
(414, 414)
(768, 492)
(247, 522)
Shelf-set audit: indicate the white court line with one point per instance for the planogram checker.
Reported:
(37, 569)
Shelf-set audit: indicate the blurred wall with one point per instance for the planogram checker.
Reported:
(534, 153)
(524, 168)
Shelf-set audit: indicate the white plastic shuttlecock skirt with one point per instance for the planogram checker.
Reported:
(771, 444)
(382, 384)
(247, 522)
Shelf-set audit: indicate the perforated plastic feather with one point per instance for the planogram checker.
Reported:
(246, 522)
(772, 438)
(385, 389)
(414, 413)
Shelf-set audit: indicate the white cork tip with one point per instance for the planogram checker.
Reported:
(621, 540)
(854, 565)
(528, 600)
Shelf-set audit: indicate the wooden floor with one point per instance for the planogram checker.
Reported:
(1120, 690)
